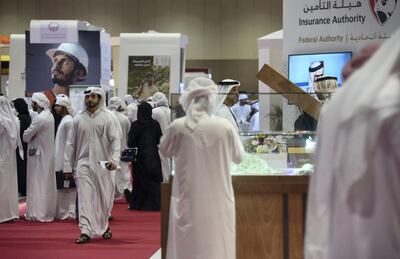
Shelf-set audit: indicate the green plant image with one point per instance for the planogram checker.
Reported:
(146, 75)
(275, 117)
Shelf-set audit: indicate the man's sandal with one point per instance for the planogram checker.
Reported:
(107, 234)
(83, 239)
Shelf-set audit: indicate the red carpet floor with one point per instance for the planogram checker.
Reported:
(136, 235)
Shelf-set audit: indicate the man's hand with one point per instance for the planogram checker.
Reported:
(111, 166)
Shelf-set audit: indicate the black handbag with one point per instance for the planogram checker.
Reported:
(64, 182)
(129, 154)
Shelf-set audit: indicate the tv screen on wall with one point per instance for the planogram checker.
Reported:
(306, 68)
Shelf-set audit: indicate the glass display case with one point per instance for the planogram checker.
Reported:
(277, 153)
(283, 143)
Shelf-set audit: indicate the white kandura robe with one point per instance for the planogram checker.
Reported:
(255, 122)
(225, 112)
(66, 198)
(353, 208)
(41, 192)
(162, 114)
(241, 112)
(8, 179)
(94, 137)
(202, 210)
(123, 176)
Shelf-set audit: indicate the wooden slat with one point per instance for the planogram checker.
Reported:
(166, 189)
(290, 91)
(296, 226)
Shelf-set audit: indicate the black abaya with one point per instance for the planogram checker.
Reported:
(145, 133)
(25, 121)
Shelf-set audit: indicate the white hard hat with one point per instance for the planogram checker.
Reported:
(71, 49)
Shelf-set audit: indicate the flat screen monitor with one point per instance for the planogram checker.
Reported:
(306, 68)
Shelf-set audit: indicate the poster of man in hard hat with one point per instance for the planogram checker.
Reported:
(53, 68)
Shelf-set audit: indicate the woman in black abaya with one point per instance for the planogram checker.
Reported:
(145, 134)
(25, 121)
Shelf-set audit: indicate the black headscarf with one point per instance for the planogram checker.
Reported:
(20, 106)
(144, 113)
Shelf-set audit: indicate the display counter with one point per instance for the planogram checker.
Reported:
(270, 215)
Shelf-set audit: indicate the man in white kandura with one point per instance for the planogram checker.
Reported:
(162, 114)
(228, 91)
(66, 198)
(254, 116)
(241, 110)
(9, 141)
(202, 212)
(128, 99)
(122, 175)
(353, 202)
(41, 193)
(94, 141)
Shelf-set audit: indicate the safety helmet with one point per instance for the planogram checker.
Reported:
(74, 50)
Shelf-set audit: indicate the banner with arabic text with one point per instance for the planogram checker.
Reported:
(315, 26)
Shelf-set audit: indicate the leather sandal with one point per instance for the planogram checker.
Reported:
(83, 239)
(107, 234)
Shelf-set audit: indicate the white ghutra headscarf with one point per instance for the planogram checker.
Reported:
(41, 100)
(198, 100)
(64, 101)
(225, 86)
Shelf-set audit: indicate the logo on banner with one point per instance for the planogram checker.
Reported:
(53, 26)
(383, 9)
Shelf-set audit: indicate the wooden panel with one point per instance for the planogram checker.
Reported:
(259, 230)
(259, 216)
(296, 226)
(270, 184)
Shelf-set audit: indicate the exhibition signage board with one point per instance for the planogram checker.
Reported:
(43, 74)
(345, 25)
(150, 62)
(148, 74)
(290, 91)
(54, 31)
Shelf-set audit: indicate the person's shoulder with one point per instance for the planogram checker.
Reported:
(46, 114)
(79, 115)
(135, 123)
(132, 106)
(219, 122)
(178, 122)
(125, 118)
(68, 119)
